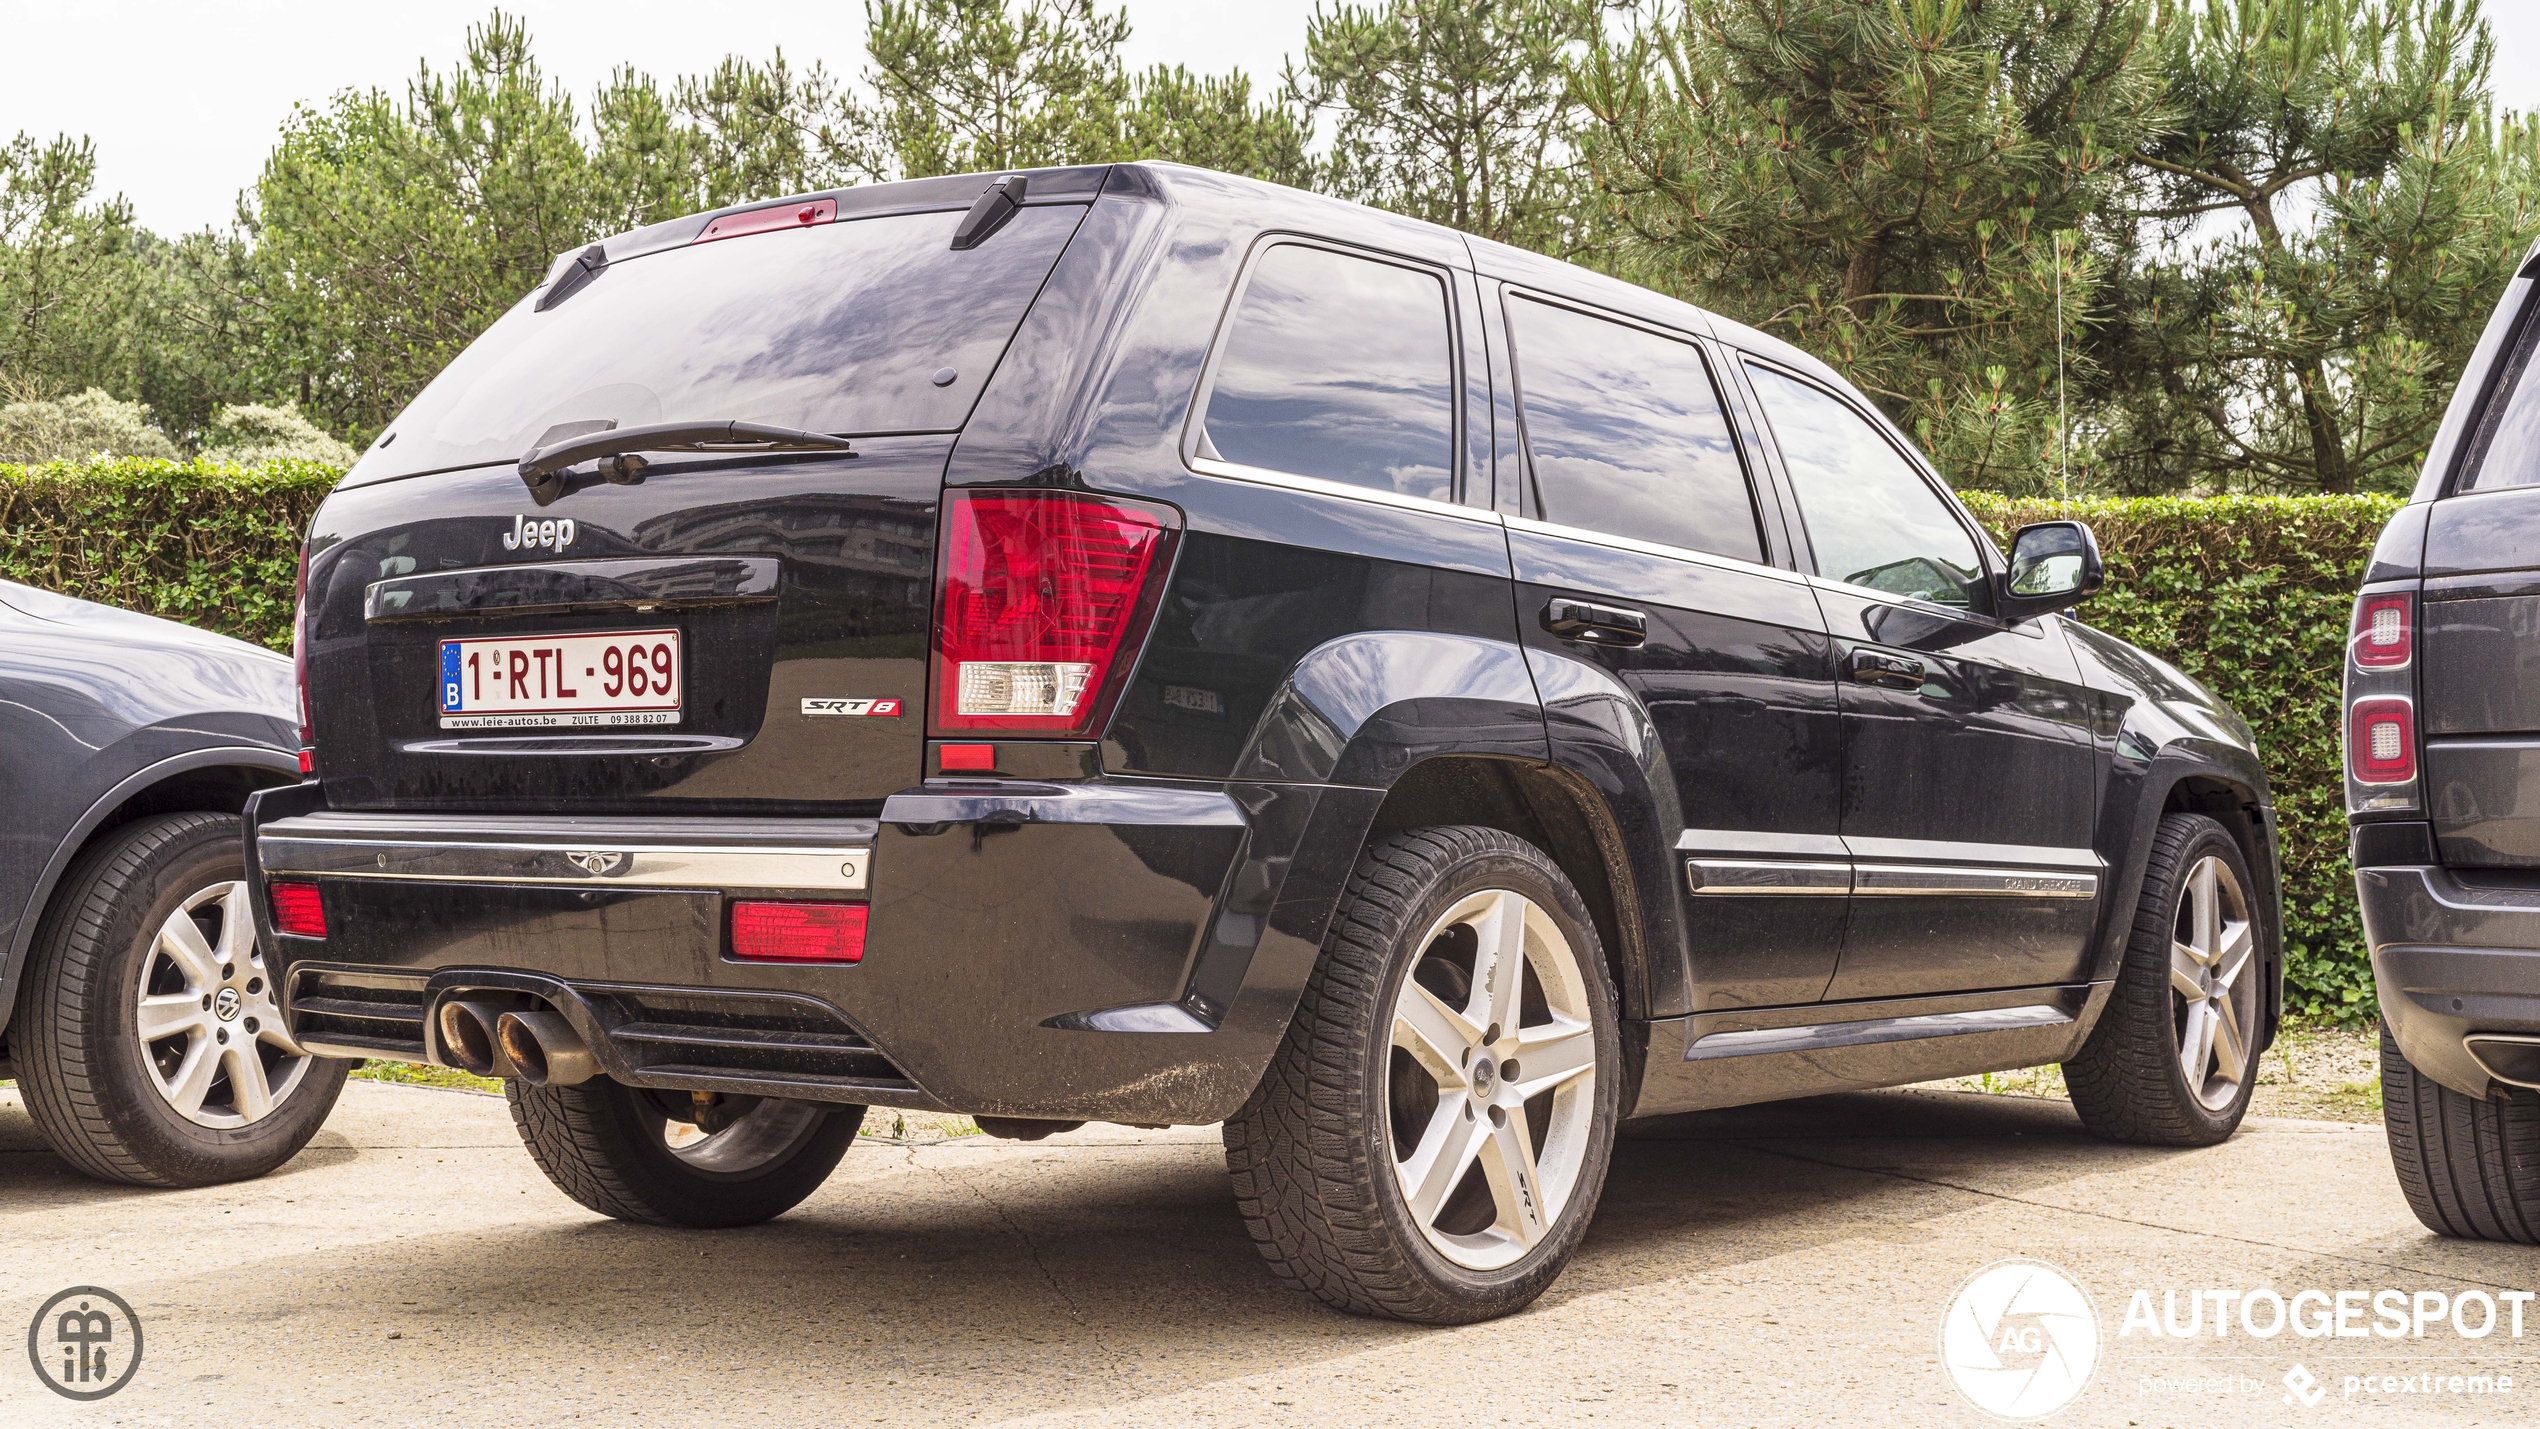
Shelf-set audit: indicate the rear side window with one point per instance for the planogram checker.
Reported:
(2504, 449)
(837, 327)
(1872, 518)
(1625, 435)
(1338, 367)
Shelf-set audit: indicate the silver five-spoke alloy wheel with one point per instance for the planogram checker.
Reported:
(211, 1033)
(2213, 998)
(1491, 1088)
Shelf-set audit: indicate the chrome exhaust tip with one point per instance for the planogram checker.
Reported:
(468, 1042)
(545, 1049)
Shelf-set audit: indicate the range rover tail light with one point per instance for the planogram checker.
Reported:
(297, 909)
(798, 932)
(2381, 741)
(300, 669)
(1044, 597)
(2384, 637)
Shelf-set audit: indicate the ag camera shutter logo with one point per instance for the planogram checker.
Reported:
(2019, 1340)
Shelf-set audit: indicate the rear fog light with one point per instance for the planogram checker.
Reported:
(798, 932)
(2381, 741)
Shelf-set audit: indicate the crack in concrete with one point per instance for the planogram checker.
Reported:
(1033, 1248)
(2121, 1220)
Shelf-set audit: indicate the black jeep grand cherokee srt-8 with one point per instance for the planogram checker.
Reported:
(1135, 644)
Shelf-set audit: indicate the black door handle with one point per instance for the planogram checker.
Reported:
(1596, 624)
(1888, 672)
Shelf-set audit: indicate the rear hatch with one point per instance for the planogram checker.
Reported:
(741, 629)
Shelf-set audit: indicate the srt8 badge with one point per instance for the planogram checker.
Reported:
(869, 709)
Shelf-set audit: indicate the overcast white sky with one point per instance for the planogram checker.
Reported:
(184, 96)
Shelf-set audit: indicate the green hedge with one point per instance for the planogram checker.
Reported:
(2251, 595)
(2248, 594)
(208, 544)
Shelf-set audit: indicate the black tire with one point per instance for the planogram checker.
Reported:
(2469, 1166)
(603, 1144)
(2127, 1082)
(81, 1063)
(1312, 1153)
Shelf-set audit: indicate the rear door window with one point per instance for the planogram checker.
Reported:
(1338, 367)
(1872, 518)
(849, 328)
(1625, 435)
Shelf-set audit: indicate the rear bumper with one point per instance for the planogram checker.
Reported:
(1104, 951)
(2451, 959)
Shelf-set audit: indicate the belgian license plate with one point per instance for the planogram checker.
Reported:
(626, 677)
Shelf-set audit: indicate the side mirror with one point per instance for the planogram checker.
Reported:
(2054, 564)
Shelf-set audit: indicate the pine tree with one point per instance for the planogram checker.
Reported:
(1902, 188)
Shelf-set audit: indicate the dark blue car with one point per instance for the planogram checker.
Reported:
(135, 1011)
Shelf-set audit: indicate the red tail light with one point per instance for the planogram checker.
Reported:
(1042, 593)
(297, 909)
(2384, 636)
(798, 932)
(769, 220)
(2381, 741)
(300, 669)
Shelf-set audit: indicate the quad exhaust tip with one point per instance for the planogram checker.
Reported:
(544, 1049)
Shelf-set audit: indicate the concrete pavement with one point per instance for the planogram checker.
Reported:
(1784, 1265)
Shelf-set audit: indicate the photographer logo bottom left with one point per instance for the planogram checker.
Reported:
(85, 1343)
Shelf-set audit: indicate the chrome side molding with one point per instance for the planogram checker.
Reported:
(1734, 876)
(1739, 862)
(1823, 1035)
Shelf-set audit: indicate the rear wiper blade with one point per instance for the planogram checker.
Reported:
(542, 463)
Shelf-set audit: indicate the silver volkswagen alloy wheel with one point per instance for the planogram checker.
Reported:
(2213, 996)
(211, 1033)
(1491, 1090)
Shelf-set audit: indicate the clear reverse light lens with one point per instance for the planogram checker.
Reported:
(1023, 687)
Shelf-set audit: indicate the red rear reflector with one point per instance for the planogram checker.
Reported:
(981, 757)
(2381, 741)
(297, 910)
(768, 220)
(1040, 594)
(308, 761)
(2384, 634)
(798, 932)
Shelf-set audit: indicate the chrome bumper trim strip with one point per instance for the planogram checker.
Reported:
(597, 864)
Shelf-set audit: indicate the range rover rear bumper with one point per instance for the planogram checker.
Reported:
(2451, 959)
(1104, 951)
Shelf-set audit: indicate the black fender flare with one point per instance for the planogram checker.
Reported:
(2141, 779)
(88, 823)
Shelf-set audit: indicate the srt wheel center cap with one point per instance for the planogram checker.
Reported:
(228, 1005)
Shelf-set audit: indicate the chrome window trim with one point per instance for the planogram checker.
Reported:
(842, 869)
(1731, 564)
(1322, 486)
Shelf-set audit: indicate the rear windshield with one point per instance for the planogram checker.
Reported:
(841, 327)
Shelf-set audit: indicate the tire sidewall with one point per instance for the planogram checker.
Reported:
(180, 1149)
(1539, 881)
